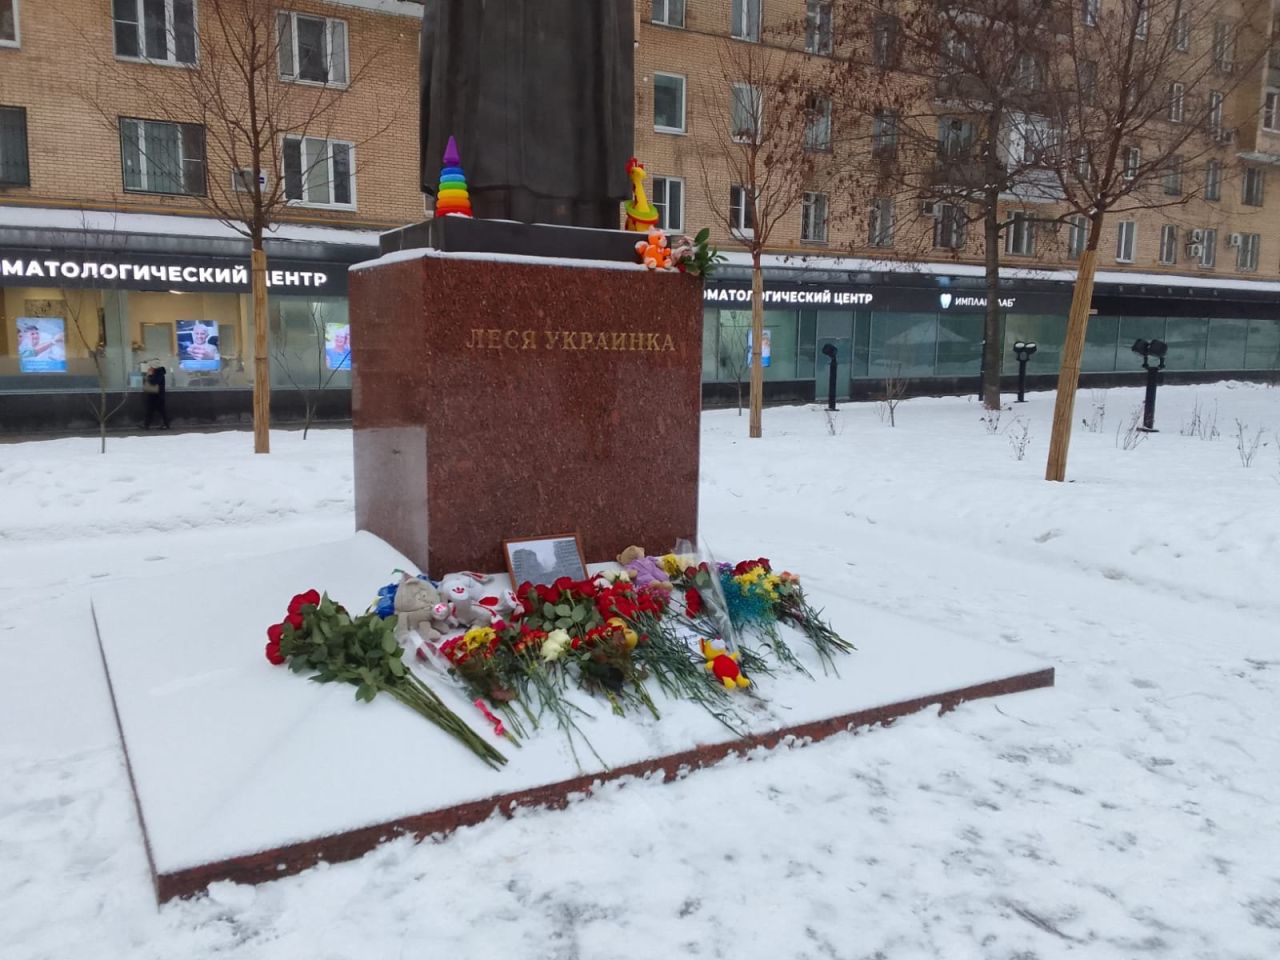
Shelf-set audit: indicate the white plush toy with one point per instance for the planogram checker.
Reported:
(500, 607)
(461, 591)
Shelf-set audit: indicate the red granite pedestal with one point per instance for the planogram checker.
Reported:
(508, 397)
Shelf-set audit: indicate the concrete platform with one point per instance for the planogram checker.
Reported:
(243, 771)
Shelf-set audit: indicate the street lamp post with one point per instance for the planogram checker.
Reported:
(1023, 349)
(829, 351)
(1148, 350)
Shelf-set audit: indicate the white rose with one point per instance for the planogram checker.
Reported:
(555, 645)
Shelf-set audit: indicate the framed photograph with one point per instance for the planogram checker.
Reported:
(544, 560)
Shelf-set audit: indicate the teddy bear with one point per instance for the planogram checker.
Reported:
(655, 254)
(644, 571)
(415, 599)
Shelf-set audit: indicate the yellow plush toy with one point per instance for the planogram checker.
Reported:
(724, 665)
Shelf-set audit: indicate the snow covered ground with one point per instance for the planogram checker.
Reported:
(1132, 811)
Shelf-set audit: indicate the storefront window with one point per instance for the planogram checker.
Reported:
(960, 344)
(710, 344)
(1262, 351)
(197, 337)
(1226, 344)
(1100, 339)
(1187, 338)
(1047, 330)
(833, 327)
(902, 344)
(58, 340)
(734, 344)
(310, 343)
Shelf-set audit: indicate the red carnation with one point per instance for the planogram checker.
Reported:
(273, 652)
(275, 632)
(693, 602)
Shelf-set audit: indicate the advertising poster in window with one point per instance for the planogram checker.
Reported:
(337, 346)
(198, 345)
(42, 344)
(766, 347)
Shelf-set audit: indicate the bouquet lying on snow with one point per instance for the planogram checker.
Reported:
(320, 636)
(673, 621)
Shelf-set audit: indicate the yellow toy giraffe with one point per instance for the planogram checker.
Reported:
(641, 214)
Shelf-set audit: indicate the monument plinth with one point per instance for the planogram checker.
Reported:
(503, 396)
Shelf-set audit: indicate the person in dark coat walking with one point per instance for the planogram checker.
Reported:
(153, 397)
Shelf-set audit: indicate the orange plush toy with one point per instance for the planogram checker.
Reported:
(655, 254)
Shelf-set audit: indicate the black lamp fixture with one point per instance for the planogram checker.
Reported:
(829, 351)
(1150, 350)
(1022, 350)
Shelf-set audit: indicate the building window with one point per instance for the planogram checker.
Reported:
(1224, 47)
(162, 31)
(1141, 19)
(668, 103)
(948, 226)
(884, 134)
(1020, 235)
(1168, 243)
(1173, 178)
(1181, 27)
(1177, 101)
(1125, 233)
(1029, 74)
(813, 218)
(884, 40)
(669, 13)
(1215, 114)
(14, 169)
(817, 127)
(1213, 180)
(160, 157)
(312, 49)
(1088, 80)
(817, 27)
(319, 172)
(1089, 12)
(1247, 252)
(747, 113)
(744, 20)
(1209, 249)
(668, 198)
(1132, 162)
(1271, 110)
(9, 36)
(1077, 236)
(955, 138)
(1253, 182)
(880, 222)
(1084, 164)
(740, 220)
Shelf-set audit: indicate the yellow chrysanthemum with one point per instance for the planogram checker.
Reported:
(670, 564)
(478, 637)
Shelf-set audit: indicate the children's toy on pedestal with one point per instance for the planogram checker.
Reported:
(453, 197)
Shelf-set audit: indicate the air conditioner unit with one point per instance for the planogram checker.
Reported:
(1225, 136)
(242, 181)
(1195, 250)
(1233, 240)
(1196, 236)
(929, 208)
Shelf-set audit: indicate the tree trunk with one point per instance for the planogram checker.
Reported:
(1069, 372)
(261, 364)
(755, 428)
(991, 343)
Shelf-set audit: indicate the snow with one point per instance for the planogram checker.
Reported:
(211, 787)
(1129, 811)
(44, 218)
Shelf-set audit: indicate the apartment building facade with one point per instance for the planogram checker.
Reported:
(113, 256)
(899, 291)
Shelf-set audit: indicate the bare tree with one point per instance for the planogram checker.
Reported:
(254, 102)
(960, 129)
(1141, 90)
(771, 143)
